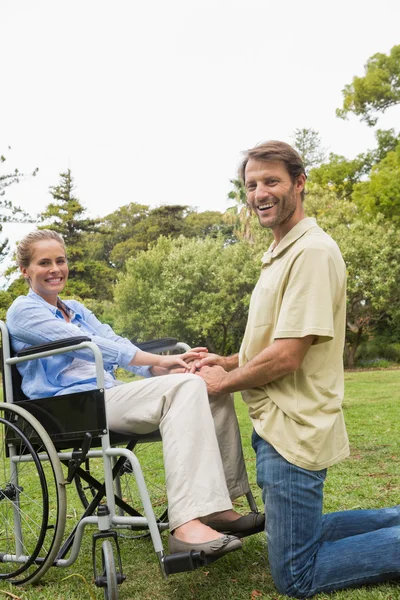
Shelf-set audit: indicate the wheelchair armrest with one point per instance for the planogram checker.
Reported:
(155, 346)
(53, 345)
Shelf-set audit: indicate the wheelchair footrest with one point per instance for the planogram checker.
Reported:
(183, 561)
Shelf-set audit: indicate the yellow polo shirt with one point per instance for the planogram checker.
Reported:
(301, 291)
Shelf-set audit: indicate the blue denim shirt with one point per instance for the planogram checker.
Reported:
(32, 321)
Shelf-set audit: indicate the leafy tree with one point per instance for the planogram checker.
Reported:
(308, 144)
(195, 290)
(376, 91)
(115, 240)
(209, 223)
(341, 175)
(371, 251)
(381, 193)
(132, 228)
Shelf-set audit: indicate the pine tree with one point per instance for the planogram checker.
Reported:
(88, 278)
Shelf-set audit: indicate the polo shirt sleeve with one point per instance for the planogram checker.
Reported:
(311, 294)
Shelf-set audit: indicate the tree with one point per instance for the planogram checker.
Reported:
(133, 227)
(195, 290)
(371, 251)
(381, 193)
(88, 277)
(115, 239)
(376, 91)
(372, 255)
(66, 214)
(308, 144)
(240, 216)
(8, 212)
(341, 175)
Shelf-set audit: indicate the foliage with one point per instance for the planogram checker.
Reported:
(376, 91)
(380, 194)
(88, 277)
(372, 349)
(341, 175)
(195, 290)
(240, 216)
(133, 227)
(308, 144)
(65, 215)
(371, 251)
(8, 212)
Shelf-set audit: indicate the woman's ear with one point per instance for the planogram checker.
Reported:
(24, 273)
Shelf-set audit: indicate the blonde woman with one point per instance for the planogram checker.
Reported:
(203, 456)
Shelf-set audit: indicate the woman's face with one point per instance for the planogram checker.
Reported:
(48, 269)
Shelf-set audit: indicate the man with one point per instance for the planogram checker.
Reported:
(290, 372)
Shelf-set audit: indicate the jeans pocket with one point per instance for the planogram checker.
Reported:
(321, 474)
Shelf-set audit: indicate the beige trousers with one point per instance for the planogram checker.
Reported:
(203, 458)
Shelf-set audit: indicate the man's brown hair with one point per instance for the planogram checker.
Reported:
(275, 150)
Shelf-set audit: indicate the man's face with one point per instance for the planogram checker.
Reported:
(272, 195)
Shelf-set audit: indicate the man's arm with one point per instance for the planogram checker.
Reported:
(280, 358)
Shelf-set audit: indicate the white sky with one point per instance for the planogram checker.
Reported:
(153, 101)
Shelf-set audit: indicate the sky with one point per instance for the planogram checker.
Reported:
(154, 101)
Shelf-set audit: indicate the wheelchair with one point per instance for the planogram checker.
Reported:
(47, 444)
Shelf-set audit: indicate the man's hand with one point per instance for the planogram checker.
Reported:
(214, 377)
(228, 363)
(178, 363)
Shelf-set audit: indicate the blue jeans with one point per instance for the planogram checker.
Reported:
(310, 552)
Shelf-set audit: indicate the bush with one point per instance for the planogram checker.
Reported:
(375, 363)
(378, 349)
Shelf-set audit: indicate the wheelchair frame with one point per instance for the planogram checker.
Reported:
(24, 447)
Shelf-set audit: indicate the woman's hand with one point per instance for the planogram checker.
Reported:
(184, 360)
(177, 363)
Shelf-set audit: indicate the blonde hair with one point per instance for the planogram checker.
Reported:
(25, 246)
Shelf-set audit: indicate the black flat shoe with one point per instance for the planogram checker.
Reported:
(216, 548)
(247, 525)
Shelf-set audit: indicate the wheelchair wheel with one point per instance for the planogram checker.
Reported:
(32, 497)
(109, 571)
(151, 460)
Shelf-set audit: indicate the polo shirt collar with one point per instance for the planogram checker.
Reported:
(292, 236)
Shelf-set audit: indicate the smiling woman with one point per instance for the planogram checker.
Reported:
(42, 257)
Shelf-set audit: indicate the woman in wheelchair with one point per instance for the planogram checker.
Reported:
(204, 465)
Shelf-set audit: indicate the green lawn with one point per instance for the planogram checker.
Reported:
(369, 478)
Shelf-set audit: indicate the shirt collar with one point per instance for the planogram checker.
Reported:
(53, 309)
(292, 236)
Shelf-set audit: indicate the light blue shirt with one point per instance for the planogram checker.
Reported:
(32, 321)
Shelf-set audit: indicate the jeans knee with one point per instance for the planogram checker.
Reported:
(291, 589)
(291, 583)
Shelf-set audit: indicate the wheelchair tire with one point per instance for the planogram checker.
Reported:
(32, 497)
(109, 571)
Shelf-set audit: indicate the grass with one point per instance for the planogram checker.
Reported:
(369, 478)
